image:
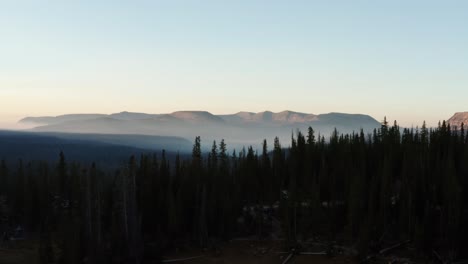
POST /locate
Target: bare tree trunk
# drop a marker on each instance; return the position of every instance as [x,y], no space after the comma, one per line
[202,219]
[124,205]
[98,217]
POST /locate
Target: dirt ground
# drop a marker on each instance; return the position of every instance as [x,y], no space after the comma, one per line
[252,252]
[234,252]
[19,252]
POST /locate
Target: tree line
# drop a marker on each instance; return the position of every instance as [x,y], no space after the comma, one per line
[389,185]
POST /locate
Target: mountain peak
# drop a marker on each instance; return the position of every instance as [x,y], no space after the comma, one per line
[197,116]
[283,117]
[125,115]
[458,118]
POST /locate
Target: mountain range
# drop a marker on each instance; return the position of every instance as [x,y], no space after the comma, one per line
[240,129]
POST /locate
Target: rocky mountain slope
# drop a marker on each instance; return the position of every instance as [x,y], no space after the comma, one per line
[458,118]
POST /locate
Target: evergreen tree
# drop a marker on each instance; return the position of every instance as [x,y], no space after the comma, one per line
[3,178]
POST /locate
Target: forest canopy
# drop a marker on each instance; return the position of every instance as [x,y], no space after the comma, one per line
[371,189]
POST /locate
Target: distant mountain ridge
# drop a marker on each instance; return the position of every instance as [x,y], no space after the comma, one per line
[46,120]
[284,117]
[239,129]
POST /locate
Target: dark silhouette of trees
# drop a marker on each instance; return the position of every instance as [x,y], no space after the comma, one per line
[391,185]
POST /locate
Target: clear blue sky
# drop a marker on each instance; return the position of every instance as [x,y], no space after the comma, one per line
[407,60]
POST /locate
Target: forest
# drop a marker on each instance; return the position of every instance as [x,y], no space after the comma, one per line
[362,191]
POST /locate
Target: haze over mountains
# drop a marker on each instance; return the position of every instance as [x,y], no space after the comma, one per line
[240,129]
[127,133]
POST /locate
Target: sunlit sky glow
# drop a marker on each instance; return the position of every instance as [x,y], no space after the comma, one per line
[407,60]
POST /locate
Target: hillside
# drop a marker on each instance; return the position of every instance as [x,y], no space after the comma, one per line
[106,150]
[458,118]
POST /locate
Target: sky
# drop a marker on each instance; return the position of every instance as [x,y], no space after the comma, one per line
[406,60]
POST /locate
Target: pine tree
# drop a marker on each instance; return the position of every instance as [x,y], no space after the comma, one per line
[3,178]
[311,136]
[62,175]
[19,194]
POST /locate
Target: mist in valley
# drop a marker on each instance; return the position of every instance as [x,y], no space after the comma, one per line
[239,130]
